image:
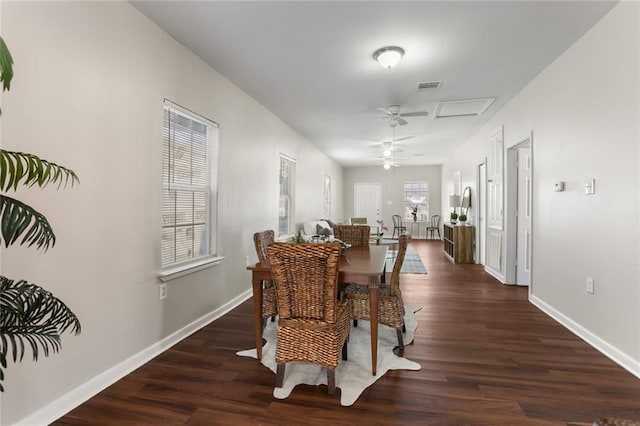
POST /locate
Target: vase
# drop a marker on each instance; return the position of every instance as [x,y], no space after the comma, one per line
[415,219]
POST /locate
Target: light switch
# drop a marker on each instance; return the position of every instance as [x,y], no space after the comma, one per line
[559,186]
[590,187]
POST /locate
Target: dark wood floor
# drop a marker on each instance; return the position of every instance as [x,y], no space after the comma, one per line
[488,357]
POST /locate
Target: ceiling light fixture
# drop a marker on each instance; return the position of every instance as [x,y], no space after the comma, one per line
[386,153]
[387,166]
[388,56]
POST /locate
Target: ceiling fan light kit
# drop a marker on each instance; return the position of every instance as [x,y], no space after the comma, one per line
[388,56]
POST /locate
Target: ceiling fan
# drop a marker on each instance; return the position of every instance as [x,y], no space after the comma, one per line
[396,117]
[390,142]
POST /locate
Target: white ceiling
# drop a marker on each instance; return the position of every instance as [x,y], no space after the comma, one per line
[311,64]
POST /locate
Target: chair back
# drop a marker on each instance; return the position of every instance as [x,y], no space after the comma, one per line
[435,221]
[306,280]
[403,242]
[261,240]
[358,221]
[397,220]
[356,235]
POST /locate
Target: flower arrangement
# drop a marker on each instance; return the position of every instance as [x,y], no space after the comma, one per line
[414,213]
[381,227]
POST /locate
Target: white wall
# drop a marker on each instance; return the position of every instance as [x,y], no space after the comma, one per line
[583,111]
[393,181]
[90,78]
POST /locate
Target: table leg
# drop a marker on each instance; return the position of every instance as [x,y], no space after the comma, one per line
[257,315]
[373,310]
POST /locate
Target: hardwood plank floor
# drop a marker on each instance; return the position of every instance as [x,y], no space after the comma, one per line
[488,356]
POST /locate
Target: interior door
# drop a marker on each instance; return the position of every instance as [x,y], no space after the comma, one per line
[367,201]
[523,244]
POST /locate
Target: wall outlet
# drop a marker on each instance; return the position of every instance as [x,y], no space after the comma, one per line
[163,291]
[590,288]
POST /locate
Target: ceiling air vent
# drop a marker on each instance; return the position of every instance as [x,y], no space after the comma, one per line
[429,85]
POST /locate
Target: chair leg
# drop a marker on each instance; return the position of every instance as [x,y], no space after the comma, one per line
[280,375]
[400,341]
[331,380]
[355,323]
[439,236]
[404,328]
[344,350]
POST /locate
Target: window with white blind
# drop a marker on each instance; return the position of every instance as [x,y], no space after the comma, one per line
[416,199]
[287,201]
[189,187]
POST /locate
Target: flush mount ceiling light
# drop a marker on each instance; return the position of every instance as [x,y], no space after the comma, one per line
[387,166]
[386,152]
[388,56]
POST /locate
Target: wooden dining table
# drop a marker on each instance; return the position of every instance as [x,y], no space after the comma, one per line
[362,265]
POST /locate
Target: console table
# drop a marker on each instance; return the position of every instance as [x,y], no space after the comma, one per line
[413,228]
[458,242]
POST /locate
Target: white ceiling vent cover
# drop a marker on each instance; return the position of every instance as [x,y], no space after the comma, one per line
[462,108]
[429,85]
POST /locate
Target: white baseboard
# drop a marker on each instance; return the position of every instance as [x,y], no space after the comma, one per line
[610,351]
[495,274]
[82,393]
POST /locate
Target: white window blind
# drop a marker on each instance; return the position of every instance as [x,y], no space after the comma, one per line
[287,201]
[189,186]
[416,194]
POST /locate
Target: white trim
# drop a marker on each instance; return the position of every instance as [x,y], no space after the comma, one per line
[92,387]
[607,349]
[188,268]
[495,274]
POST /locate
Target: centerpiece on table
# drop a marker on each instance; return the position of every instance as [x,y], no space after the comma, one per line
[414,213]
[381,227]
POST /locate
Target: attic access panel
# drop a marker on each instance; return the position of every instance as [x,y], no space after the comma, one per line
[462,108]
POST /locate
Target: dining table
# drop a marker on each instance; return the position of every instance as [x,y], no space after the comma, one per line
[361,265]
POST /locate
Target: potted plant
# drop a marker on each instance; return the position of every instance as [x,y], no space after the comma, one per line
[29,314]
[463,219]
[414,213]
[453,217]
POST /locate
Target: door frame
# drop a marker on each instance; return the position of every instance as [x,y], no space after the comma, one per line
[511,205]
[481,243]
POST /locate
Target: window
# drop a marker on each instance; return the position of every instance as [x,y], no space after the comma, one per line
[287,188]
[416,198]
[189,187]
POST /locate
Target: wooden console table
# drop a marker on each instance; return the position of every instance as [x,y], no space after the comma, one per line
[458,242]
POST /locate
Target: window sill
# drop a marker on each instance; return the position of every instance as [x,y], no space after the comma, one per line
[182,270]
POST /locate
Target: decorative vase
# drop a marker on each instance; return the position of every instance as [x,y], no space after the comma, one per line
[415,219]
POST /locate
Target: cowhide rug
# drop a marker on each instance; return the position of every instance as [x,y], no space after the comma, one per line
[352,376]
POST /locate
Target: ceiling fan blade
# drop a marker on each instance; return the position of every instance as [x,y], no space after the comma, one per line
[401,121]
[415,114]
[404,138]
[386,111]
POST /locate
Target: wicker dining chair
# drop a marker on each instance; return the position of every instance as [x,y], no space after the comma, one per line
[356,235]
[269,305]
[313,325]
[390,304]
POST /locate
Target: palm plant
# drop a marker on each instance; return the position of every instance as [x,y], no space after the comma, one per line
[30,316]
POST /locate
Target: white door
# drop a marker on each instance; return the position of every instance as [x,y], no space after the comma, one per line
[523,245]
[367,202]
[482,212]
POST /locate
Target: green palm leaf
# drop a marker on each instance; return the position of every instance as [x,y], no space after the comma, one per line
[29,169]
[6,66]
[18,219]
[31,317]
